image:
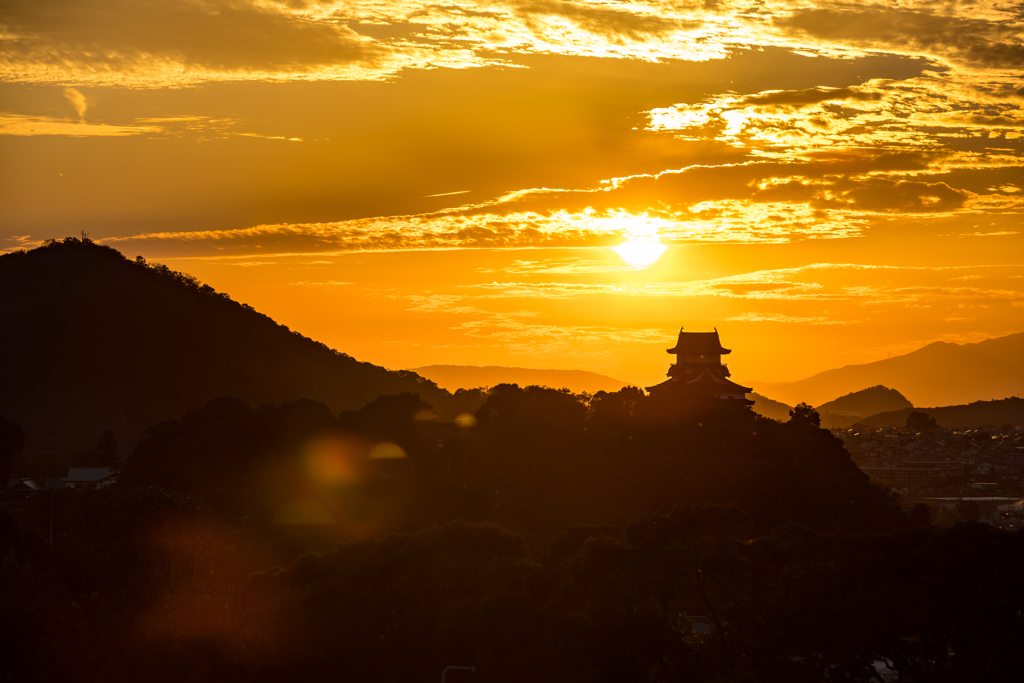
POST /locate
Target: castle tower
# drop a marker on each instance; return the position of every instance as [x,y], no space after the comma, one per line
[699,372]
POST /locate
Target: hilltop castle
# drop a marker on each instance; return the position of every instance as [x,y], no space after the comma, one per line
[698,372]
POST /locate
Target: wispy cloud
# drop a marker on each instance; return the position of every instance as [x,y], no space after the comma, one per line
[198,128]
[77,101]
[803,283]
[15,124]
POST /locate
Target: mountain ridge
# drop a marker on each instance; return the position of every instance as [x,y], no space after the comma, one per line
[975,415]
[939,373]
[95,340]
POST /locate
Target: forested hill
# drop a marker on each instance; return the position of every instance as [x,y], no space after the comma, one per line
[977,415]
[846,411]
[92,340]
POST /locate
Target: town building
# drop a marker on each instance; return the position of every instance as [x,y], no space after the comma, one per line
[918,475]
[90,477]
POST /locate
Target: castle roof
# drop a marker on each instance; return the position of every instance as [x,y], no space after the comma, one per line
[698,343]
[704,381]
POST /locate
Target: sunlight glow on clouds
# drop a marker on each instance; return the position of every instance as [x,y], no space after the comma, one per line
[840,190]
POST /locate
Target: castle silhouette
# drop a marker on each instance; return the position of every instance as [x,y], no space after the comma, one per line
[698,373]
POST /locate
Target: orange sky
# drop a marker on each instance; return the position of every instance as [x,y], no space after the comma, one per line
[418,183]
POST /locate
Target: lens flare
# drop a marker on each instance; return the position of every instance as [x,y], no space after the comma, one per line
[302,512]
[465,420]
[386,451]
[332,461]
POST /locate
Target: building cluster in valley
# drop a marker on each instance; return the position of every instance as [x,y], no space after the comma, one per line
[947,468]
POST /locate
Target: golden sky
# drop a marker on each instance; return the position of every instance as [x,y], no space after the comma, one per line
[417,183]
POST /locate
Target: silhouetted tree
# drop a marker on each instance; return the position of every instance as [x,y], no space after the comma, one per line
[920,422]
[104,455]
[804,414]
[106,446]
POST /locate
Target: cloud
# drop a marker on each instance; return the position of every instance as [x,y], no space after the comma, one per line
[999,233]
[559,266]
[173,42]
[436,231]
[820,282]
[199,128]
[77,101]
[752,317]
[808,96]
[985,41]
[16,124]
[162,43]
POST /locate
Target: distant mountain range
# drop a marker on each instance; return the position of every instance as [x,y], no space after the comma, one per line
[91,340]
[452,377]
[868,407]
[940,373]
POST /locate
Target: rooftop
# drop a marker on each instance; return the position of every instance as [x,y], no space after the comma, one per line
[698,343]
[86,474]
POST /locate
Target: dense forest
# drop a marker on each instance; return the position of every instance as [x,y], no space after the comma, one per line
[550,536]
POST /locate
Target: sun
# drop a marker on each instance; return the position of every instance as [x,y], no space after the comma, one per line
[641,252]
[642,248]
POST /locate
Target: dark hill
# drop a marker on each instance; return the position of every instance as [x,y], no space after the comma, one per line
[91,340]
[775,410]
[847,410]
[977,415]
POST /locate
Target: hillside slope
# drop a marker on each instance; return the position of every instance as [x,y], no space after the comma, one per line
[847,410]
[92,340]
[765,406]
[1008,411]
[452,377]
[940,373]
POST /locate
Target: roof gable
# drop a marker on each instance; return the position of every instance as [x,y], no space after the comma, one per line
[698,343]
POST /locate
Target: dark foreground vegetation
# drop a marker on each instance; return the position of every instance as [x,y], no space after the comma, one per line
[560,538]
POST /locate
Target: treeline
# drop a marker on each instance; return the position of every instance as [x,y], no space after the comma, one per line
[535,461]
[548,537]
[142,584]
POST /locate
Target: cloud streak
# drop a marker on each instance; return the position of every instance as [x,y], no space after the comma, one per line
[77,101]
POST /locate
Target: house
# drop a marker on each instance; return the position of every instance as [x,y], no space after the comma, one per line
[23,486]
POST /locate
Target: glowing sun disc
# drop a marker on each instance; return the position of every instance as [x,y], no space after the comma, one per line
[640,253]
